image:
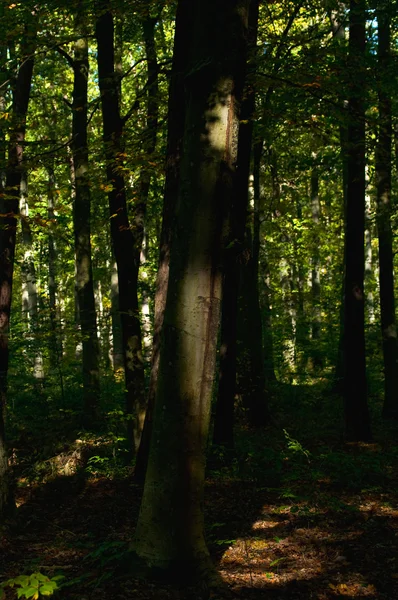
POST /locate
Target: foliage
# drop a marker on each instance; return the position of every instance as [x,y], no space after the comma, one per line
[33,586]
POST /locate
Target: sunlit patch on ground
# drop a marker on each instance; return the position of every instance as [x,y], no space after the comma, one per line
[323,549]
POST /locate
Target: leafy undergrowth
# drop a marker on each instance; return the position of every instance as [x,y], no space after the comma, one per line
[295,514]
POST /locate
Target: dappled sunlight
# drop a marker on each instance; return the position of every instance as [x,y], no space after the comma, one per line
[329,544]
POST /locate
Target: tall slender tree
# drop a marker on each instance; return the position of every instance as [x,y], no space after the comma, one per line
[233,258]
[9,209]
[169,534]
[82,220]
[316,264]
[123,241]
[355,386]
[383,188]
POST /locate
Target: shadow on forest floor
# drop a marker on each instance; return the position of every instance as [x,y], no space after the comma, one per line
[306,518]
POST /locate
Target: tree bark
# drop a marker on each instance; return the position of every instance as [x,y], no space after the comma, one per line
[384,208]
[121,232]
[9,209]
[169,535]
[81,223]
[224,414]
[252,374]
[355,386]
[149,147]
[176,120]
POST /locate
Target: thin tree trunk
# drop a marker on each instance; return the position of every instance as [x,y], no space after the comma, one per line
[169,535]
[52,285]
[28,277]
[123,241]
[149,147]
[252,374]
[355,387]
[316,358]
[117,339]
[224,414]
[384,208]
[9,206]
[338,30]
[176,120]
[81,223]
[369,276]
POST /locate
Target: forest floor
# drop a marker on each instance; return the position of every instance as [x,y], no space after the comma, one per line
[296,514]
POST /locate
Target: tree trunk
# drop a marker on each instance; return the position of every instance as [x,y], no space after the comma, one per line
[9,209]
[383,188]
[117,340]
[28,277]
[81,223]
[176,120]
[169,535]
[126,256]
[369,275]
[252,375]
[224,415]
[52,283]
[316,358]
[338,30]
[355,387]
[149,147]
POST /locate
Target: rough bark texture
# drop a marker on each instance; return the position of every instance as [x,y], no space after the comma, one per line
[81,223]
[169,533]
[9,209]
[383,187]
[355,387]
[176,120]
[224,414]
[121,232]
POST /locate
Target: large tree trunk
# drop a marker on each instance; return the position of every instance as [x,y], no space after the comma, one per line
[9,209]
[169,535]
[224,415]
[383,186]
[176,120]
[126,256]
[355,387]
[81,223]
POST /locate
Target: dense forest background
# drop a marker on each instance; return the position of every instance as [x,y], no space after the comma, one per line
[198,216]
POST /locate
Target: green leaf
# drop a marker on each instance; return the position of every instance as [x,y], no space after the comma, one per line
[47,589]
[41,577]
[28,592]
[22,580]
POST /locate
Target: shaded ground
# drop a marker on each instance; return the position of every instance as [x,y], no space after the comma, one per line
[287,519]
